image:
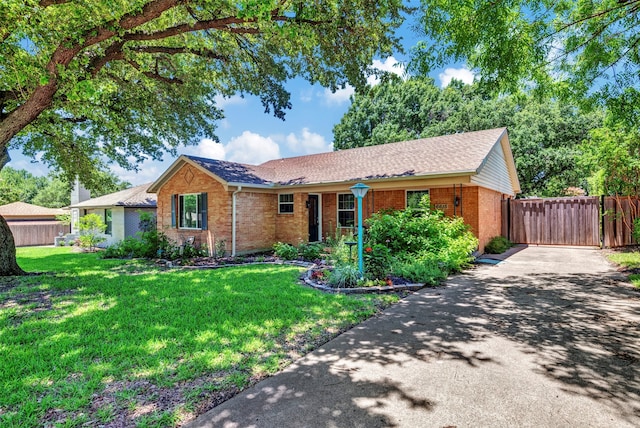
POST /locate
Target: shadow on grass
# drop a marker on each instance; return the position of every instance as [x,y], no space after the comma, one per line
[165,340]
[580,331]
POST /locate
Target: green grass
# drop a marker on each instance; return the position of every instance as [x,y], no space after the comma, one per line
[92,340]
[629,260]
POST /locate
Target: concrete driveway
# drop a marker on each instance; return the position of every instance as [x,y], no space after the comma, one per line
[547,338]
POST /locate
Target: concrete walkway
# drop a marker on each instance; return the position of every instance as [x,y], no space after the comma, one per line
[547,338]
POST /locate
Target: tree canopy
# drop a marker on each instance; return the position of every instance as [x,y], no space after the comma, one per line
[86,82]
[82,82]
[587,48]
[53,191]
[546,136]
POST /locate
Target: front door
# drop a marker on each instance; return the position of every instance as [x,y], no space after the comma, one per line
[314,219]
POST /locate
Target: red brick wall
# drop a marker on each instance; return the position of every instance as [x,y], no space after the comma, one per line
[490,214]
[329,214]
[255,221]
[259,225]
[293,228]
[190,180]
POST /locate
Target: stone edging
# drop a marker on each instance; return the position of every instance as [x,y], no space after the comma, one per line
[311,283]
[358,290]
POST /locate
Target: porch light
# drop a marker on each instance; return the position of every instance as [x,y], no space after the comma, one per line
[359,190]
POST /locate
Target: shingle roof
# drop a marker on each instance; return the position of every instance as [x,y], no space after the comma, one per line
[233,172]
[457,154]
[449,154]
[22,209]
[134,197]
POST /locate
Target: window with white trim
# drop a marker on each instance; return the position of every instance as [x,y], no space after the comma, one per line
[285,203]
[414,197]
[346,210]
[190,215]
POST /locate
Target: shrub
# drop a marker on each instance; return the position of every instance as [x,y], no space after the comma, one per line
[220,248]
[497,245]
[636,229]
[340,252]
[344,276]
[285,251]
[411,234]
[92,229]
[310,251]
[425,269]
[377,261]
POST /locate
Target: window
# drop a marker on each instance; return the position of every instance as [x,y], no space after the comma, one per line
[285,203]
[108,221]
[346,210]
[190,210]
[414,197]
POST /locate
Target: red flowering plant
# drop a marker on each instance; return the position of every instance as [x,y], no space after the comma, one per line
[377,261]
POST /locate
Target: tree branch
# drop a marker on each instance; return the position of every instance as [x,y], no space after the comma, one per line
[621,5]
[47,3]
[170,80]
[214,24]
[174,51]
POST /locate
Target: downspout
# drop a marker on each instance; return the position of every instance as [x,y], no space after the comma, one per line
[233,220]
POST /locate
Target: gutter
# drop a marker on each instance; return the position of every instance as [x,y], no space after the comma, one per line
[233,221]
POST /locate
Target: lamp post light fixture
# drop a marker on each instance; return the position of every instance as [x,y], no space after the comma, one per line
[359,190]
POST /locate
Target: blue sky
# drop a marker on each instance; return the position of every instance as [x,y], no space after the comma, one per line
[248,135]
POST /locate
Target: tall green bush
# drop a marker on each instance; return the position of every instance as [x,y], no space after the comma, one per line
[426,244]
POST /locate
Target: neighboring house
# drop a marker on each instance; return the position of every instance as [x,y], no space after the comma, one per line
[119,210]
[33,224]
[307,198]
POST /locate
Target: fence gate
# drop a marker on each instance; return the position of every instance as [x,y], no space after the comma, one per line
[552,221]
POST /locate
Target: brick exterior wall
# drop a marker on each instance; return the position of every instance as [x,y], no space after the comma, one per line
[259,225]
[490,213]
[329,214]
[191,180]
[255,221]
[293,228]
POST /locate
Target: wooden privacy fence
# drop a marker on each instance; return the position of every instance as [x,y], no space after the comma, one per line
[26,233]
[553,221]
[579,221]
[619,215]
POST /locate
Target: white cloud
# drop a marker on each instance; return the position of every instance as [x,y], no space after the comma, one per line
[222,101]
[306,95]
[251,148]
[207,148]
[390,65]
[307,143]
[341,96]
[338,97]
[148,171]
[463,74]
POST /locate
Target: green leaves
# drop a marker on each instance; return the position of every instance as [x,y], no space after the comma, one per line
[584,49]
[545,135]
[128,79]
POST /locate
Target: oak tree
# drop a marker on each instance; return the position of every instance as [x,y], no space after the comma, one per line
[84,81]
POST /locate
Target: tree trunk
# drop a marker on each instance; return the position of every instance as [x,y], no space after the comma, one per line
[8,264]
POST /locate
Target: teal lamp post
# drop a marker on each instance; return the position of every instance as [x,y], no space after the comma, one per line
[359,190]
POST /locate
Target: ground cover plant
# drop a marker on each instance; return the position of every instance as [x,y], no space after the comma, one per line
[629,259]
[123,342]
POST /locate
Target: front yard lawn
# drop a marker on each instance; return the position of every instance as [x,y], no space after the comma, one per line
[631,261]
[102,342]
